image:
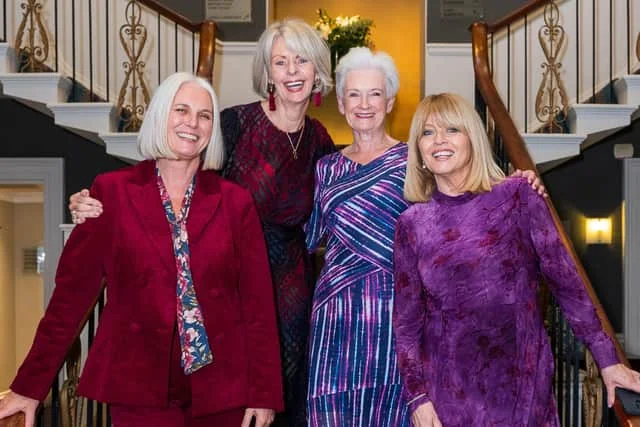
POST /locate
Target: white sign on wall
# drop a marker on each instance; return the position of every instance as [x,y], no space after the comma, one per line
[228,10]
[456,9]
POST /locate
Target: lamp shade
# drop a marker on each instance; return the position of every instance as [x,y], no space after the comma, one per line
[598,231]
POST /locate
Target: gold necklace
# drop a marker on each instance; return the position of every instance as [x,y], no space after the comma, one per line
[294,148]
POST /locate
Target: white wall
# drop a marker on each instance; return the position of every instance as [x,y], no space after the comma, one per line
[29,292]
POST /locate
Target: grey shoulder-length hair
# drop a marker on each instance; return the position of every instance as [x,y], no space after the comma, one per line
[302,39]
[152,138]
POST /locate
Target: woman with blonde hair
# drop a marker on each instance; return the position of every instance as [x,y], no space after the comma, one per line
[471,344]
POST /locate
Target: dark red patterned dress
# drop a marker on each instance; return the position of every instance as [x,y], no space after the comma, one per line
[260,158]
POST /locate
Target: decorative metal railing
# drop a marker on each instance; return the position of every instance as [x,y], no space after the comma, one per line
[76,38]
[560,53]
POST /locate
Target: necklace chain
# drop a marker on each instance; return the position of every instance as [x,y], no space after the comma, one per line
[294,148]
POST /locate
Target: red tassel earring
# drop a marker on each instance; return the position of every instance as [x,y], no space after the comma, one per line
[271,89]
[317,93]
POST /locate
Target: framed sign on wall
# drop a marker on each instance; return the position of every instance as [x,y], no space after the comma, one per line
[228,10]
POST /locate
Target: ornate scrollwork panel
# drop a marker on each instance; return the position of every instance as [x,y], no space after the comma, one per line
[32,48]
[70,403]
[551,99]
[133,37]
[592,393]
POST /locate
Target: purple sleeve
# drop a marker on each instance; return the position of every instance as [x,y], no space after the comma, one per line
[565,283]
[315,228]
[408,316]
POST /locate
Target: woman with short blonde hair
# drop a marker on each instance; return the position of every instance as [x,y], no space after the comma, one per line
[449,110]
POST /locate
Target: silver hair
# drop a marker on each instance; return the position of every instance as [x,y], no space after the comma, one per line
[152,138]
[362,58]
[299,37]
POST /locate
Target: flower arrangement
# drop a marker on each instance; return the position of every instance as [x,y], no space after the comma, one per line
[343,33]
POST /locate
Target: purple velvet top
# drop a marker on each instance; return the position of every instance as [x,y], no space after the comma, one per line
[469,332]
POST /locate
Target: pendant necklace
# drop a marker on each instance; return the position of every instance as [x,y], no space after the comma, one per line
[294,148]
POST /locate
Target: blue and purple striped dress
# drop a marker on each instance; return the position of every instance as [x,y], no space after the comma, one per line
[353,377]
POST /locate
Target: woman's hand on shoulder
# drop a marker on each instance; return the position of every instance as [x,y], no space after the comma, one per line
[619,375]
[82,207]
[13,403]
[534,181]
[264,417]
[425,416]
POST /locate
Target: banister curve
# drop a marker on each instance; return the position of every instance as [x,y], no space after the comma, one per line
[516,15]
[520,158]
[207,50]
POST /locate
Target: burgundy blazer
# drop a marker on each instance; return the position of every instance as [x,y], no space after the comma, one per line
[130,246]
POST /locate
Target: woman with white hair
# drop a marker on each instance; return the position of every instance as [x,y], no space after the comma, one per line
[188,335]
[354,377]
[271,149]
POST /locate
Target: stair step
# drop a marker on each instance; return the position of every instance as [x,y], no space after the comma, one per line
[41,87]
[7,58]
[545,147]
[584,119]
[98,117]
[122,145]
[627,89]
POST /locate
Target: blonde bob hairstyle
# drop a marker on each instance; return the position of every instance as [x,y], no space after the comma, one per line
[300,38]
[449,110]
[152,138]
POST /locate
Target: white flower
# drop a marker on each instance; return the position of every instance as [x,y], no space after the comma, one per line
[324,30]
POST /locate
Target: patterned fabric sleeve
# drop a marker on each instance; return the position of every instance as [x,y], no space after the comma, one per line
[315,228]
[408,315]
[564,281]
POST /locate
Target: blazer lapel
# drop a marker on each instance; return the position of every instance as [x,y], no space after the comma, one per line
[145,198]
[204,204]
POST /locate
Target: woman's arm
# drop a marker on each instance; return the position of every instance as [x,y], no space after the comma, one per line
[408,315]
[78,283]
[569,290]
[258,306]
[315,228]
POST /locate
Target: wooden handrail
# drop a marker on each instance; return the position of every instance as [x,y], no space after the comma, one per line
[516,15]
[207,29]
[207,50]
[15,420]
[521,159]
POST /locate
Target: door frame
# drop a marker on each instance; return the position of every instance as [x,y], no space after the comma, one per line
[631,255]
[48,172]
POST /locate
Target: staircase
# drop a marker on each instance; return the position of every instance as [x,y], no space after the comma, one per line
[144,43]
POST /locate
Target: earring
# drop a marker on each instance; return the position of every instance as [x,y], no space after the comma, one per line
[271,89]
[317,93]
[424,165]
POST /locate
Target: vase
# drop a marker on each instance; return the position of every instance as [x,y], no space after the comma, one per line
[337,52]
